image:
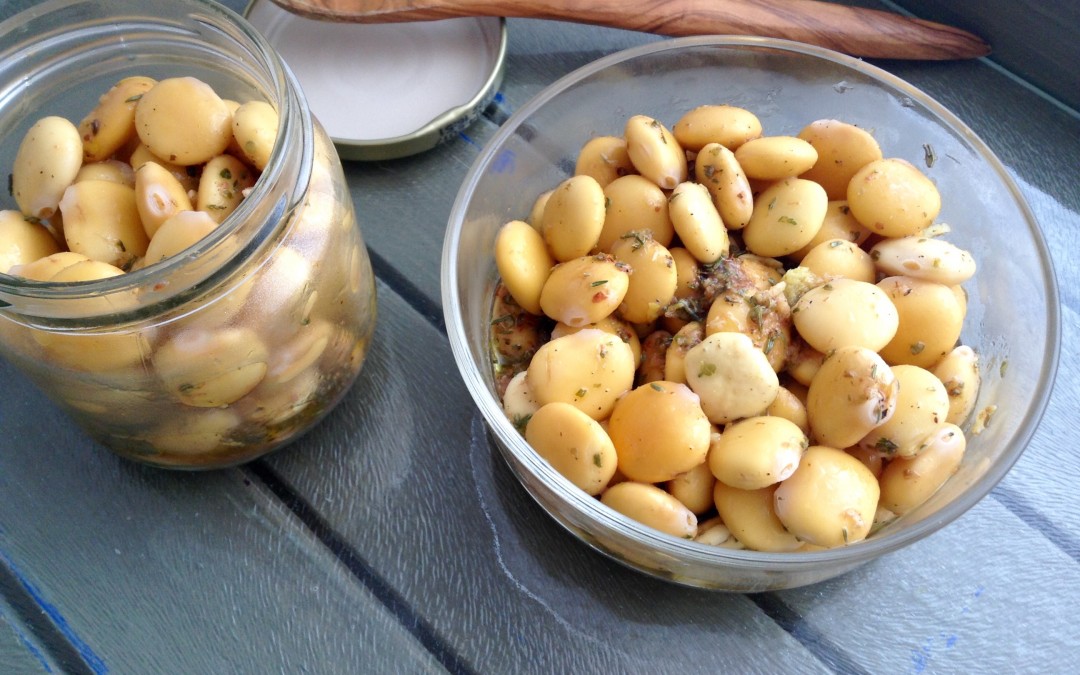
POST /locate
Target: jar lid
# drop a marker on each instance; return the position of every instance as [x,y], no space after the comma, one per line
[390,90]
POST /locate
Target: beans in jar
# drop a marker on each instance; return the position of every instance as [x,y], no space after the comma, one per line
[239,360]
[797,313]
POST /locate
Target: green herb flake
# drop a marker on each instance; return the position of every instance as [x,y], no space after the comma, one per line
[917,347]
[580,393]
[929,156]
[788,220]
[598,283]
[885,445]
[1004,366]
[133,98]
[706,370]
[597,460]
[656,387]
[521,421]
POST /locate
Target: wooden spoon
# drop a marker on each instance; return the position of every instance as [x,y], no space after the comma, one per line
[856,31]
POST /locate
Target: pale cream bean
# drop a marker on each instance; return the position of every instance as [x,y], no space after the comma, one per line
[188,176]
[519,404]
[842,150]
[830,500]
[893,198]
[255,127]
[651,506]
[177,234]
[584,290]
[101,221]
[659,431]
[45,268]
[654,151]
[751,517]
[611,324]
[536,213]
[840,258]
[523,262]
[757,452]
[111,124]
[775,157]
[605,159]
[931,317]
[573,218]
[681,343]
[46,163]
[194,432]
[653,364]
[89,351]
[109,169]
[713,532]
[959,373]
[698,223]
[921,405]
[733,377]
[589,369]
[694,488]
[790,407]
[211,368]
[22,241]
[846,312]
[653,278]
[838,224]
[786,217]
[183,120]
[224,183]
[853,392]
[927,258]
[728,125]
[634,204]
[158,196]
[716,168]
[574,444]
[906,483]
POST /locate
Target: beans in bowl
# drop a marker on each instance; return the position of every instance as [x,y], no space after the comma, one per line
[748,340]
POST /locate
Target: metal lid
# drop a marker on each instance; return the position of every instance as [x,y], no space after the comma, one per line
[384,91]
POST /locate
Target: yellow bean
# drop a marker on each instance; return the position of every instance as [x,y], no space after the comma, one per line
[771,158]
[605,159]
[46,163]
[255,126]
[634,204]
[757,452]
[223,185]
[158,196]
[698,223]
[574,444]
[659,431]
[523,262]
[654,151]
[842,150]
[853,392]
[830,500]
[584,290]
[573,218]
[786,217]
[651,506]
[22,242]
[111,124]
[728,125]
[589,369]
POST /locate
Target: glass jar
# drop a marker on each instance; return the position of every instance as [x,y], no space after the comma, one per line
[240,343]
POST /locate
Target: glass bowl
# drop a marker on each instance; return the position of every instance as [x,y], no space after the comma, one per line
[1012,319]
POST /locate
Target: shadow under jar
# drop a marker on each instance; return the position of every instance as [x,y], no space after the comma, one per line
[235,346]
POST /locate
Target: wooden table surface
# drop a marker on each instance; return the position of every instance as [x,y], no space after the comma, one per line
[394,539]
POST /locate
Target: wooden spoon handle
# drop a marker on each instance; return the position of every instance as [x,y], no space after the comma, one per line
[853,30]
